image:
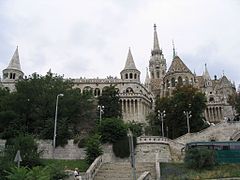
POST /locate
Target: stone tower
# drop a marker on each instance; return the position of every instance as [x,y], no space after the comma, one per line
[157,67]
[12,73]
[130,72]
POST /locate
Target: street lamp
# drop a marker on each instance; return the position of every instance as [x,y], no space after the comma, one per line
[132,153]
[101,111]
[188,116]
[161,115]
[55,124]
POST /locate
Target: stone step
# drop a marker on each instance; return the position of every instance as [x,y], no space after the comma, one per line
[123,171]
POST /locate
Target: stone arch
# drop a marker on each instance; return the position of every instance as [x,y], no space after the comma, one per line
[180,81]
[129,90]
[186,80]
[87,89]
[97,92]
[173,82]
[131,76]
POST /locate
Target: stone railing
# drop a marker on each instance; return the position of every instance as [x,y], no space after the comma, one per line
[145,176]
[92,170]
[152,139]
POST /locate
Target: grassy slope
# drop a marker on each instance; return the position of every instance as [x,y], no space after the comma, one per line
[68,164]
[178,171]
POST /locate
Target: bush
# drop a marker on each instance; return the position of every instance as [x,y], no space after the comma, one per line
[200,158]
[28,150]
[112,129]
[136,128]
[93,148]
[121,147]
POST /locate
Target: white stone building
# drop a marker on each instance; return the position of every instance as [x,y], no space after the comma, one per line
[137,99]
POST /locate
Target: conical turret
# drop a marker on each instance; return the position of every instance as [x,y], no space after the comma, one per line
[147,79]
[13,72]
[130,62]
[15,62]
[206,75]
[130,71]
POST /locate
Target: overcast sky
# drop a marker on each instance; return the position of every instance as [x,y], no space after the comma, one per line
[91,38]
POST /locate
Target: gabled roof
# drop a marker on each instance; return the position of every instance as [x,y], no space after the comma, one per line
[178,65]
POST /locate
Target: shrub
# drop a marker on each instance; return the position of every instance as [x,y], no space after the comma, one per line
[200,158]
[93,148]
[121,147]
[112,129]
[28,149]
[82,143]
[18,173]
[136,128]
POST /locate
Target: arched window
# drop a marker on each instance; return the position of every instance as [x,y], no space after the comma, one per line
[135,76]
[87,89]
[186,80]
[129,90]
[180,81]
[158,74]
[173,82]
[97,92]
[131,76]
[126,76]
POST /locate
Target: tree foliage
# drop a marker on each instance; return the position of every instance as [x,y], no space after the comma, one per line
[110,100]
[93,148]
[112,130]
[186,98]
[31,109]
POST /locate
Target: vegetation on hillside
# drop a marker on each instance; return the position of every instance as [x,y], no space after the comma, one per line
[186,98]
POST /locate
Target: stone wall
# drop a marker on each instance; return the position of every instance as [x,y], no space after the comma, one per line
[224,131]
[69,151]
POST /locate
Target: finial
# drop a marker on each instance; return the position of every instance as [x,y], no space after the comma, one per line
[155,27]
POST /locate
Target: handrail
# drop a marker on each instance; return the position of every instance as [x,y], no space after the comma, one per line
[145,176]
[92,170]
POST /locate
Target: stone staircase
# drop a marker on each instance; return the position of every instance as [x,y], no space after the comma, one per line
[123,170]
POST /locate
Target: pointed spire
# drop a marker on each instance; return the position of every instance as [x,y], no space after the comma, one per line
[206,74]
[156,48]
[130,62]
[155,41]
[147,79]
[174,52]
[15,62]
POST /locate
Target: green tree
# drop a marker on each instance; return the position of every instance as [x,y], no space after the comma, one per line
[31,108]
[112,129]
[93,148]
[110,100]
[186,98]
[28,150]
[18,173]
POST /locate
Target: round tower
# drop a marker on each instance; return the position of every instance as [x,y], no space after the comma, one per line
[130,72]
[13,72]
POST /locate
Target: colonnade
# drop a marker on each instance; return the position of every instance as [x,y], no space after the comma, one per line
[214,113]
[134,109]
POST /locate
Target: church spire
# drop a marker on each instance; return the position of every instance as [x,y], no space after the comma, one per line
[130,62]
[206,74]
[147,79]
[15,62]
[174,51]
[156,48]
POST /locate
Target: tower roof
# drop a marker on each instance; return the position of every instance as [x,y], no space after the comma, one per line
[15,62]
[178,65]
[130,62]
[156,47]
[206,74]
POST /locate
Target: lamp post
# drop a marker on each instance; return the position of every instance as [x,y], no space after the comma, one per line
[55,124]
[161,115]
[101,111]
[132,154]
[188,116]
